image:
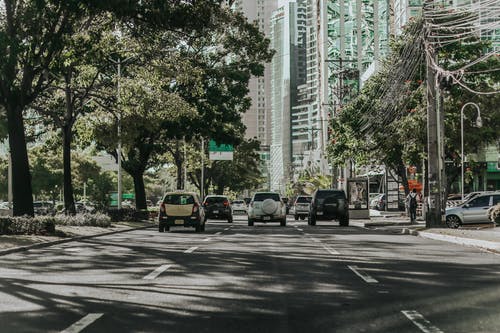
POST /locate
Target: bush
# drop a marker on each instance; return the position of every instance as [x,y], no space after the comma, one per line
[494,213]
[25,225]
[84,219]
[124,214]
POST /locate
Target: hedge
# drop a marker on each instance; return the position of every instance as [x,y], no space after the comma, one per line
[43,225]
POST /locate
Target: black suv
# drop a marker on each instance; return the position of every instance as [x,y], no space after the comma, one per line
[329,205]
[218,207]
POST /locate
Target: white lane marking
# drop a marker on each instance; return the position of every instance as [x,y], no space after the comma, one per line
[206,239]
[330,250]
[191,249]
[300,229]
[218,233]
[422,323]
[367,278]
[157,272]
[295,226]
[226,229]
[82,323]
[315,240]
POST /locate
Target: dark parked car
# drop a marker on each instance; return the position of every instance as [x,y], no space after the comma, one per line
[329,205]
[218,207]
[43,208]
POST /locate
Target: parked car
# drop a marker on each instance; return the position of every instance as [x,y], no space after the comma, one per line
[218,207]
[4,209]
[472,211]
[266,207]
[182,209]
[43,208]
[239,207]
[378,202]
[301,207]
[329,204]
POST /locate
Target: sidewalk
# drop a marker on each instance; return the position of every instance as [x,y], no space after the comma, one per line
[483,236]
[64,234]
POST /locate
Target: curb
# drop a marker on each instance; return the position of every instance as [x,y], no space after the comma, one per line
[477,243]
[65,240]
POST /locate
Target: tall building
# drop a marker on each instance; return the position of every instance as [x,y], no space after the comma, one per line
[308,113]
[284,40]
[258,118]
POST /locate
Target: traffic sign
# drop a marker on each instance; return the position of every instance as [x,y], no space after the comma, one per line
[223,152]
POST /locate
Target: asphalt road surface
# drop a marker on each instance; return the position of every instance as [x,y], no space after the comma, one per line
[266,278]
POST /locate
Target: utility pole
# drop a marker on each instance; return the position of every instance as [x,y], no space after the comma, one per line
[434,215]
[119,149]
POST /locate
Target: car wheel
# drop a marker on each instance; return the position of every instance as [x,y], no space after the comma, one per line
[453,221]
[303,217]
[283,222]
[296,217]
[344,221]
[313,220]
[250,222]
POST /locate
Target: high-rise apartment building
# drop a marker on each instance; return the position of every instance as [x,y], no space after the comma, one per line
[258,118]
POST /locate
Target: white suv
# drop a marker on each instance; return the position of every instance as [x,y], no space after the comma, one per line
[266,207]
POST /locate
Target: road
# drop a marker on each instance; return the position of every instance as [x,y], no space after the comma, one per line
[266,278]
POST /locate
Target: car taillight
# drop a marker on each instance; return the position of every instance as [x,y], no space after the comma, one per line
[195,208]
[205,203]
[163,209]
[225,203]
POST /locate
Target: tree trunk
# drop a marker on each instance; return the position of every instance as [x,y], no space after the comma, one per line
[401,171]
[69,199]
[140,191]
[21,177]
[178,163]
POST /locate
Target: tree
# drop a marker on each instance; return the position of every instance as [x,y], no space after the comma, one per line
[386,123]
[242,173]
[33,35]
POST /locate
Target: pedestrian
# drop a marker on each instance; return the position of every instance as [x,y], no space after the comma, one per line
[411,202]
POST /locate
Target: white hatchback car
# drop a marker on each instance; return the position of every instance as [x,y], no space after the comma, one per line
[266,207]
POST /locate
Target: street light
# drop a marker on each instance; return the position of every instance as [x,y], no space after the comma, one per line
[479,123]
[119,63]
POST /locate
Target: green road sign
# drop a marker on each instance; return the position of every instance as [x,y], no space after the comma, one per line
[213,146]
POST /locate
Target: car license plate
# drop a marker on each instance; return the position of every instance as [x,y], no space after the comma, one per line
[319,213]
[179,221]
[267,218]
[216,212]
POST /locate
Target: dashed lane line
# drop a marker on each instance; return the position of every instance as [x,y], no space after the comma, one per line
[218,233]
[419,321]
[191,249]
[156,272]
[206,239]
[299,229]
[362,274]
[83,323]
[331,250]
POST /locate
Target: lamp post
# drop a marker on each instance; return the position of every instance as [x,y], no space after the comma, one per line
[118,64]
[479,123]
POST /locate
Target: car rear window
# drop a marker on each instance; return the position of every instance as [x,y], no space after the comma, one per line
[179,199]
[215,199]
[238,202]
[304,199]
[264,196]
[328,194]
